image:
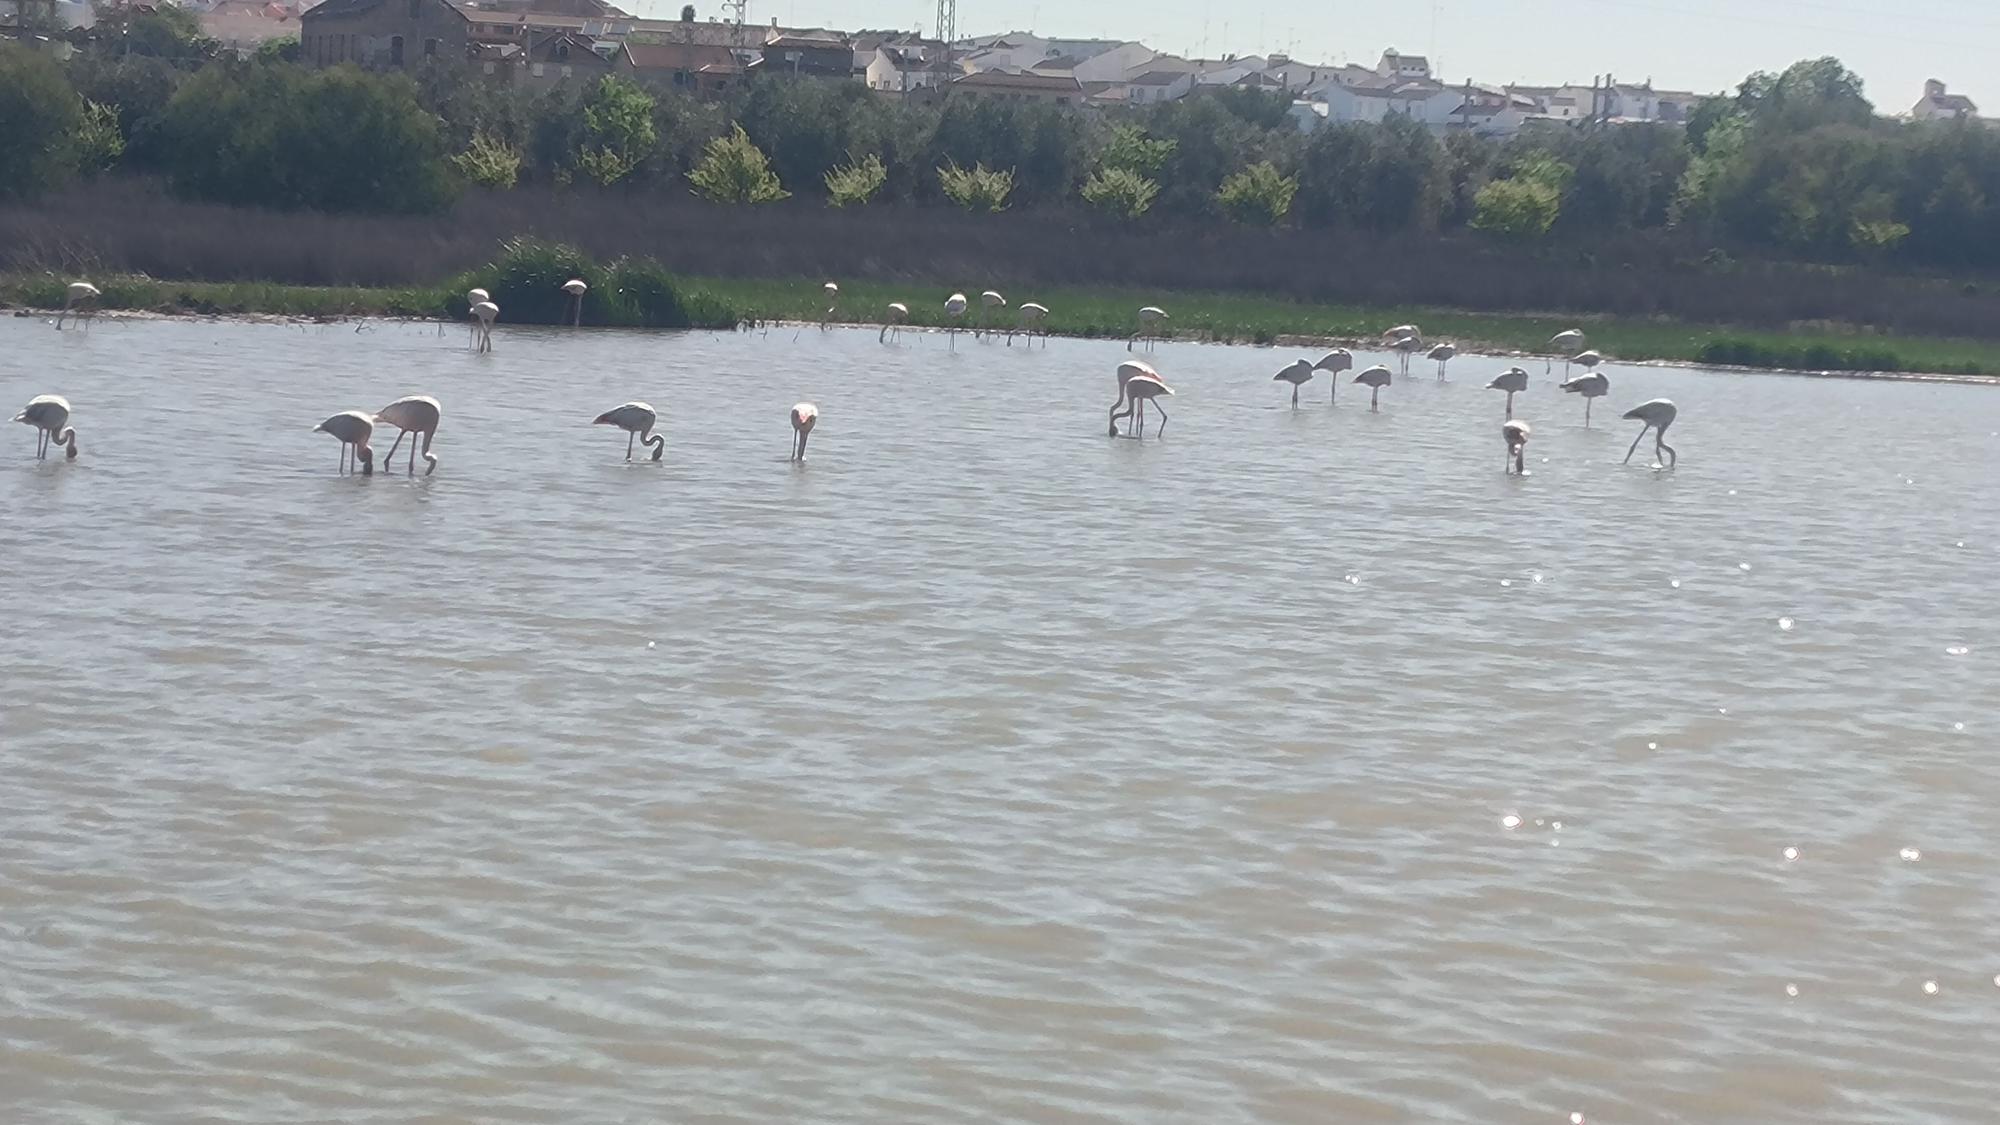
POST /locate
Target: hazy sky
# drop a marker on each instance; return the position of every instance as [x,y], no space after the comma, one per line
[1703,45]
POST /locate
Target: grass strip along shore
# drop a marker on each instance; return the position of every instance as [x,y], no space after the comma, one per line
[526,282]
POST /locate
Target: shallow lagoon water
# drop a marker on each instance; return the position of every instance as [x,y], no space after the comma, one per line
[983,767]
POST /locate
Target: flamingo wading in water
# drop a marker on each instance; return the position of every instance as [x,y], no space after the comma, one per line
[1034,320]
[354,428]
[1513,381]
[636,419]
[1592,386]
[576,289]
[49,414]
[1657,416]
[1443,354]
[1375,378]
[78,293]
[1516,433]
[1333,363]
[1405,348]
[988,302]
[804,417]
[1298,373]
[1138,384]
[832,292]
[1150,320]
[485,312]
[417,414]
[1566,344]
[893,319]
[472,299]
[954,310]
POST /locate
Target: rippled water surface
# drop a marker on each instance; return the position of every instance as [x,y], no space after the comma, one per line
[986,768]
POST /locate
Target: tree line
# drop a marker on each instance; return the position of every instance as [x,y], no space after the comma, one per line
[1795,163]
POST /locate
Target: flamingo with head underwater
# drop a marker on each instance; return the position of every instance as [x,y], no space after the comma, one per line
[1034,321]
[893,319]
[1139,384]
[49,414]
[576,289]
[353,428]
[75,294]
[1516,433]
[1151,318]
[954,311]
[804,417]
[1657,415]
[415,415]
[637,420]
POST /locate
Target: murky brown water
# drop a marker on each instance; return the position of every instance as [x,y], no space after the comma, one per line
[985,768]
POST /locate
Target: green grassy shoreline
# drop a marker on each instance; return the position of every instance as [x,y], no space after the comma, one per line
[1108,312]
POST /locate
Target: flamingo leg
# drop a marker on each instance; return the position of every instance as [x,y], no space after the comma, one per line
[1635,445]
[1295,396]
[630,437]
[1586,413]
[1510,406]
[389,462]
[1660,443]
[1375,400]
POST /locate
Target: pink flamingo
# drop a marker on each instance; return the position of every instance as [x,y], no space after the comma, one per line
[49,414]
[417,414]
[1138,383]
[354,429]
[804,417]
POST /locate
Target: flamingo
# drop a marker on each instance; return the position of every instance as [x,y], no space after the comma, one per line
[576,289]
[1375,377]
[472,298]
[1405,347]
[636,419]
[954,308]
[1566,344]
[1137,384]
[1516,434]
[353,428]
[1401,332]
[988,301]
[1591,386]
[1333,363]
[897,315]
[1657,416]
[78,293]
[1442,353]
[417,414]
[1149,326]
[832,292]
[1586,360]
[1513,381]
[485,312]
[1034,319]
[49,414]
[804,417]
[1298,373]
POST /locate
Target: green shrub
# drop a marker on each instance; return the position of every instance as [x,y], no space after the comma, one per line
[980,189]
[526,282]
[733,170]
[1120,192]
[489,162]
[856,181]
[1258,195]
[1522,210]
[618,131]
[98,144]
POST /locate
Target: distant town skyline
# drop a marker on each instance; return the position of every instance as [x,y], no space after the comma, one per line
[1703,45]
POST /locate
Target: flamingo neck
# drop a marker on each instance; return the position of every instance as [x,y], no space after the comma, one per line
[659,444]
[68,437]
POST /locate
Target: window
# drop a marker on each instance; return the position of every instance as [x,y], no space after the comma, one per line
[396,50]
[569,72]
[562,51]
[536,70]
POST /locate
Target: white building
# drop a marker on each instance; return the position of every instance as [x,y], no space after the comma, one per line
[1398,66]
[1938,104]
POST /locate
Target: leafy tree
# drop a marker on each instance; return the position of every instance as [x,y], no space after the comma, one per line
[736,171]
[857,181]
[1807,95]
[1120,191]
[138,89]
[489,162]
[281,136]
[1265,109]
[41,115]
[1259,194]
[1389,177]
[617,130]
[1128,148]
[977,189]
[1519,209]
[163,31]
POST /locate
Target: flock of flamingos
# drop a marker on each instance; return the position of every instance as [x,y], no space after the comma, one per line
[417,416]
